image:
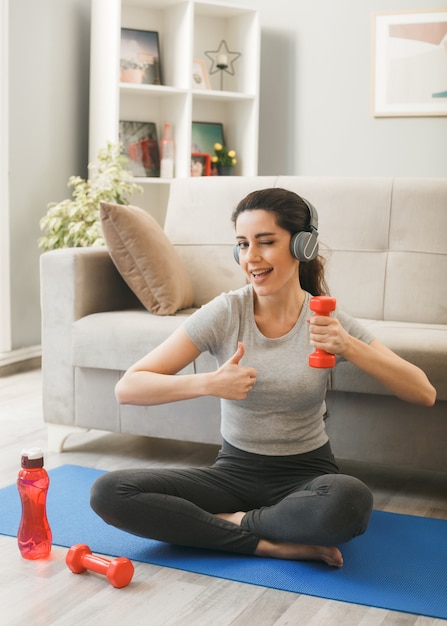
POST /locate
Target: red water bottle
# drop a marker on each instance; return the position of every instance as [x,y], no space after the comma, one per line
[34,534]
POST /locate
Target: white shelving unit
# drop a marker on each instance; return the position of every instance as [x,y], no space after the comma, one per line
[186,30]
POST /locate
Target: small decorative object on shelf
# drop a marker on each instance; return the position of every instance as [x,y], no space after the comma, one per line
[200,164]
[204,135]
[200,78]
[224,160]
[140,57]
[222,60]
[167,153]
[140,145]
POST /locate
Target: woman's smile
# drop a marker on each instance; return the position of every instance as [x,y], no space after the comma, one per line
[260,276]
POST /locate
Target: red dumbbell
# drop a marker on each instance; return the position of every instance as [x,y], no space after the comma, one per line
[322,305]
[119,571]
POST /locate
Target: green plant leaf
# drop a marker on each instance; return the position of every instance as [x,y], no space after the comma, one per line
[74,222]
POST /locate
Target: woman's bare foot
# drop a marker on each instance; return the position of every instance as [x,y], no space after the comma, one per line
[290,551]
[298,552]
[235,518]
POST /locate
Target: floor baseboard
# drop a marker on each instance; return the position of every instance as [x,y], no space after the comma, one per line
[22,360]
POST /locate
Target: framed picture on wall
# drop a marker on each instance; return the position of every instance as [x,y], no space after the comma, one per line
[205,135]
[140,57]
[140,145]
[410,63]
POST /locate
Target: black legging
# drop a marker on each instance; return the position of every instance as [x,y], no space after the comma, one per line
[300,499]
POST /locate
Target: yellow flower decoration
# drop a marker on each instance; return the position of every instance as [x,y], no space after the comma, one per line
[223,156]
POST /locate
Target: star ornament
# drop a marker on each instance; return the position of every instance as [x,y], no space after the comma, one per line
[222,59]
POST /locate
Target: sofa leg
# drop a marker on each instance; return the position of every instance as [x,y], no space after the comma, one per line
[58,433]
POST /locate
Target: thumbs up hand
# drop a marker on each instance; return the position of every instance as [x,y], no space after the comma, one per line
[237,356]
[233,381]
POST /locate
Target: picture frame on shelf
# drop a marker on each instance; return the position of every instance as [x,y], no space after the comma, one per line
[200,164]
[200,77]
[204,135]
[140,61]
[410,62]
[139,142]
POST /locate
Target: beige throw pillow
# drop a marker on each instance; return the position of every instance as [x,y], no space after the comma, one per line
[146,259]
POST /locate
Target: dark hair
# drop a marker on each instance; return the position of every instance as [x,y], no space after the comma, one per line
[292,214]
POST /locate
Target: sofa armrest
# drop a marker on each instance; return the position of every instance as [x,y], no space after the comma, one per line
[74,282]
[83,281]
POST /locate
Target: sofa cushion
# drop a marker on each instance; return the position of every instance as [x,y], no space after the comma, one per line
[146,259]
[117,339]
[425,345]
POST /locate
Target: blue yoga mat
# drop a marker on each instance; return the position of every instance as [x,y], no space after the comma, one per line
[400,563]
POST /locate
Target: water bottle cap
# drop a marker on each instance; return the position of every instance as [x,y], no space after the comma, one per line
[32,458]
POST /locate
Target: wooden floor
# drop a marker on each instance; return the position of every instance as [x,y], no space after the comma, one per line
[45,593]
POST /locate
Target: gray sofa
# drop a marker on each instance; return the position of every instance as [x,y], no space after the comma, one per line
[386,246]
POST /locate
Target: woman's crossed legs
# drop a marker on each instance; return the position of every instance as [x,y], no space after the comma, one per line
[216,508]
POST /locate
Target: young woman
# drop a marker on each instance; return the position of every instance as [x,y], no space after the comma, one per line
[274,489]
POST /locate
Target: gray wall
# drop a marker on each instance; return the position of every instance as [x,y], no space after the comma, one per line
[315,114]
[49,59]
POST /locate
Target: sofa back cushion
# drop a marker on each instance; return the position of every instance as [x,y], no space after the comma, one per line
[417,262]
[384,239]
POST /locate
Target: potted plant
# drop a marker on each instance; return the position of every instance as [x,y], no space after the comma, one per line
[74,222]
[224,159]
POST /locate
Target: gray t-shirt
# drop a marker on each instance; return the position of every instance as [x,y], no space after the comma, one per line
[284,413]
